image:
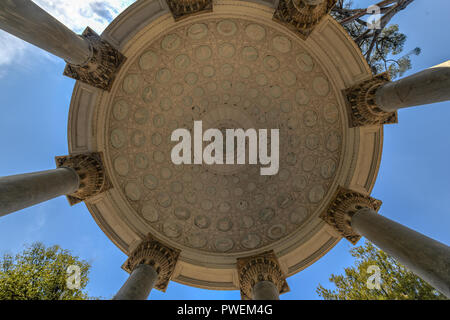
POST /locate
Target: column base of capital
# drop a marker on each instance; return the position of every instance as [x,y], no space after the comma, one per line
[100,71]
[300,16]
[362,107]
[90,170]
[184,8]
[156,254]
[263,267]
[344,205]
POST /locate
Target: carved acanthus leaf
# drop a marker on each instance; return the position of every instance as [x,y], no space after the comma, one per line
[302,16]
[263,267]
[160,256]
[362,105]
[343,206]
[91,173]
[101,69]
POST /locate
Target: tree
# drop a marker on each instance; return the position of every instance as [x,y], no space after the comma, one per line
[380,44]
[397,283]
[41,273]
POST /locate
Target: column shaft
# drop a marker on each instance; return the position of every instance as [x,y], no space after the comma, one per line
[139,284]
[26,20]
[25,190]
[265,290]
[427,258]
[428,86]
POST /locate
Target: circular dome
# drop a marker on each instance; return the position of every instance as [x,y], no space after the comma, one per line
[234,68]
[229,73]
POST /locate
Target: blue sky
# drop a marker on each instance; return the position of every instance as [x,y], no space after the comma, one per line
[413,182]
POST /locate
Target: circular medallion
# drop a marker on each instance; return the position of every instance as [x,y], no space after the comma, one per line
[255,32]
[227,28]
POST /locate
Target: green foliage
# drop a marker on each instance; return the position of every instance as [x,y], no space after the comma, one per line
[381,48]
[388,47]
[40,273]
[397,283]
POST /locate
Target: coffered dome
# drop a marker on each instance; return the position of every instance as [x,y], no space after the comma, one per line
[232,68]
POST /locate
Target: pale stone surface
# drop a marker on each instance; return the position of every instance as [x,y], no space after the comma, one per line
[224,72]
[265,290]
[330,49]
[28,21]
[427,258]
[426,87]
[139,284]
[25,190]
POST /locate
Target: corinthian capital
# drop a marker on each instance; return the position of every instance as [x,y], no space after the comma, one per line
[362,103]
[263,267]
[301,16]
[91,173]
[183,8]
[160,256]
[341,209]
[101,68]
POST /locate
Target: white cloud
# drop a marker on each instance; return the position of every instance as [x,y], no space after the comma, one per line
[76,15]
[79,14]
[12,48]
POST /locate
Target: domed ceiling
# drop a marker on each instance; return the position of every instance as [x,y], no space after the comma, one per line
[229,73]
[232,68]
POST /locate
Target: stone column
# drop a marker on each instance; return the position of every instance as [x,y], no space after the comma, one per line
[150,265]
[354,215]
[302,16]
[139,284]
[265,290]
[78,176]
[90,170]
[261,278]
[27,21]
[25,190]
[375,101]
[427,258]
[90,59]
[428,86]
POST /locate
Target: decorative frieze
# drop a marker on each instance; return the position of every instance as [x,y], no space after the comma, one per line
[160,256]
[263,267]
[183,8]
[341,209]
[362,105]
[302,16]
[103,65]
[91,173]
